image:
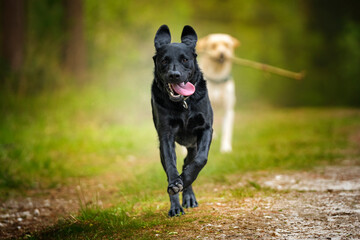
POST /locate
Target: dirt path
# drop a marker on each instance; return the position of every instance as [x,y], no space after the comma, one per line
[324,204]
[320,205]
[19,216]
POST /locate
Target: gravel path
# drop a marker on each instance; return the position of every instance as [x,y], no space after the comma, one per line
[324,204]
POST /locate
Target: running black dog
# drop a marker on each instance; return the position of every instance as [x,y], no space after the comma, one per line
[181,112]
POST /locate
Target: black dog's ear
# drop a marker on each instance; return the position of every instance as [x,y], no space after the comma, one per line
[189,36]
[162,37]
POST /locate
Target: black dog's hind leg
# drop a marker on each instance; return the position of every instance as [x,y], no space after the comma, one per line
[189,199]
[191,171]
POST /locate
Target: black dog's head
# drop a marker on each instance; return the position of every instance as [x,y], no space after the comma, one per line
[175,63]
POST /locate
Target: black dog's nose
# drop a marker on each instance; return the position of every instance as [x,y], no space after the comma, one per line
[174,75]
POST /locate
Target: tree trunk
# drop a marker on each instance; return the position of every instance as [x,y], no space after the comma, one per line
[13,32]
[75,51]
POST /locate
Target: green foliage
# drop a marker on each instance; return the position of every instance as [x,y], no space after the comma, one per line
[319,37]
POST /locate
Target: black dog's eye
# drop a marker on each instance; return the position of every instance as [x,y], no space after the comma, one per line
[184,60]
[165,61]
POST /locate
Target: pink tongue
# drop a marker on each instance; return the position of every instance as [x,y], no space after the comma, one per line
[184,89]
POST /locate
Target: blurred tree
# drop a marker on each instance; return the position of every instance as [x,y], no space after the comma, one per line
[13,33]
[335,61]
[75,50]
[114,38]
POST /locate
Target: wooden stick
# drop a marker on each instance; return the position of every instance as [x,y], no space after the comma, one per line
[268,68]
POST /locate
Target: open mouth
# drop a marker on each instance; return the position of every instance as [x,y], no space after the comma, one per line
[221,60]
[178,91]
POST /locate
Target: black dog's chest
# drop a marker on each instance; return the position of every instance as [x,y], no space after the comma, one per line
[188,123]
[187,128]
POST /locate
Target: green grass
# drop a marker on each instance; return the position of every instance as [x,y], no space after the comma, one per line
[48,139]
[92,223]
[123,222]
[113,223]
[99,131]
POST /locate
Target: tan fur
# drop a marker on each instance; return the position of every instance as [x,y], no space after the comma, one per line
[215,62]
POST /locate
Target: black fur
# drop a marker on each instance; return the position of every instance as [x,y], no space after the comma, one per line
[186,120]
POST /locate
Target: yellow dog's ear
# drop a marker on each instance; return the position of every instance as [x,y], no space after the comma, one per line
[201,44]
[235,42]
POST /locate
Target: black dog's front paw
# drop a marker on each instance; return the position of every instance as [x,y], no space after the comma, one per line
[176,211]
[175,187]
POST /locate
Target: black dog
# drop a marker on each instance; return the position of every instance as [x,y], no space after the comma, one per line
[181,112]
